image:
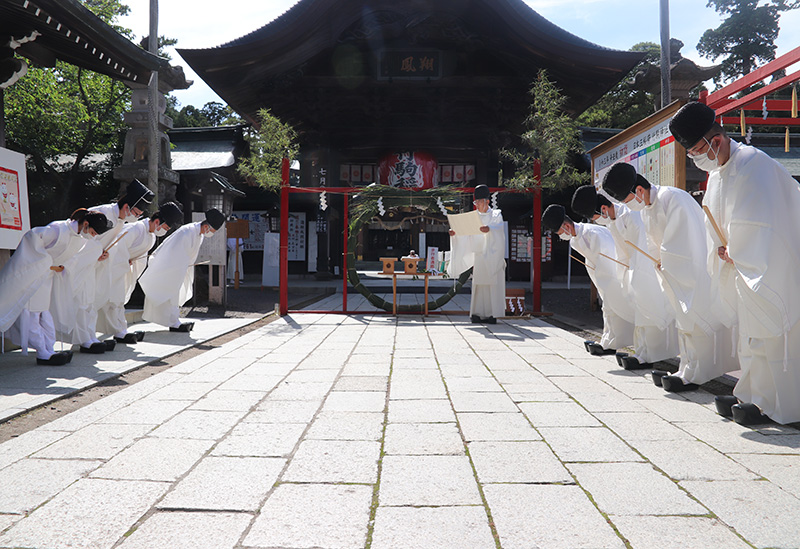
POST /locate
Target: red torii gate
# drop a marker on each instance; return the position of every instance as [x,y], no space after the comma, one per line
[286,189]
[722,102]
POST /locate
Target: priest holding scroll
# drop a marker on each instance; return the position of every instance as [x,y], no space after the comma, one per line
[485,253]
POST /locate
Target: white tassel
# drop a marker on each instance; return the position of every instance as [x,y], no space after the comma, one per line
[764,111]
[323,201]
[381,209]
[494,200]
[715,347]
[749,134]
[785,352]
[569,264]
[440,204]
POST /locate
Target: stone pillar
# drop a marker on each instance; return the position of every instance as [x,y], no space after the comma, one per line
[136,151]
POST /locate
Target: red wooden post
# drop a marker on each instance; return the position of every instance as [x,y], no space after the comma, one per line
[536,249]
[344,255]
[283,299]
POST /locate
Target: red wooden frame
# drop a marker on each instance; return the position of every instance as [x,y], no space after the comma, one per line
[286,190]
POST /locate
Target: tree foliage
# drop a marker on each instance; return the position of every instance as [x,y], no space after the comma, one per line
[623,106]
[746,37]
[211,114]
[553,134]
[60,116]
[269,145]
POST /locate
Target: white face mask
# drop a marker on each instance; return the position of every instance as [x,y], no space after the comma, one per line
[564,236]
[603,220]
[161,231]
[703,162]
[636,205]
[88,236]
[209,234]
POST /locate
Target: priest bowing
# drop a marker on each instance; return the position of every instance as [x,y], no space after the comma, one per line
[167,281]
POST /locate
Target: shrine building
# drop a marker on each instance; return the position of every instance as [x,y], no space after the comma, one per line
[441,85]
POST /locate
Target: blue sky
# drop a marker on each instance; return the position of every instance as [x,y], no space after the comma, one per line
[616,24]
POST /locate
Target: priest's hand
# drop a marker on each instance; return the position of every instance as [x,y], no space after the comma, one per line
[103,256]
[485,229]
[722,252]
[452,232]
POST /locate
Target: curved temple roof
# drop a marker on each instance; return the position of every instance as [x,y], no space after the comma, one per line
[46,30]
[491,51]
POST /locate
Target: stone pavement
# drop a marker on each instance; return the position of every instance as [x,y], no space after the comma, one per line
[389,433]
[24,385]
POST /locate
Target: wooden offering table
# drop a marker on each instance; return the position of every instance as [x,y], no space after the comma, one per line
[394,289]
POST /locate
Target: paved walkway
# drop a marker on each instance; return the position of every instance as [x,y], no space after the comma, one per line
[24,385]
[358,431]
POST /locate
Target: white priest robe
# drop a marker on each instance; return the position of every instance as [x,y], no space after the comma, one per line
[756,204]
[167,281]
[27,284]
[655,336]
[485,253]
[676,237]
[590,241]
[131,259]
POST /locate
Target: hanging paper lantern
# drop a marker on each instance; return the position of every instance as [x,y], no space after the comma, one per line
[409,170]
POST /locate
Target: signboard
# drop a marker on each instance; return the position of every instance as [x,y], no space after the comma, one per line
[259,225]
[649,147]
[15,219]
[410,64]
[213,250]
[297,236]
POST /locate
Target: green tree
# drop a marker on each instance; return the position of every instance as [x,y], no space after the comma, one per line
[746,37]
[212,114]
[623,106]
[552,133]
[269,145]
[61,116]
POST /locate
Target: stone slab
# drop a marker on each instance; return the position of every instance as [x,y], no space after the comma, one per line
[677,532]
[420,411]
[588,444]
[30,482]
[551,516]
[353,461]
[199,424]
[497,426]
[149,458]
[760,511]
[439,527]
[347,426]
[315,515]
[428,480]
[225,483]
[260,440]
[516,462]
[633,489]
[95,442]
[423,439]
[90,513]
[557,414]
[692,460]
[196,530]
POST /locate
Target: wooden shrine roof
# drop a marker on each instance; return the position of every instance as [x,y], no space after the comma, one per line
[322,67]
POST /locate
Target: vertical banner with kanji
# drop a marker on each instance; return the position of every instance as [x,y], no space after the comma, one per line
[297,236]
[14,216]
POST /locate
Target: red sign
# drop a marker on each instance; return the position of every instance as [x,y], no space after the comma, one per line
[409,170]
